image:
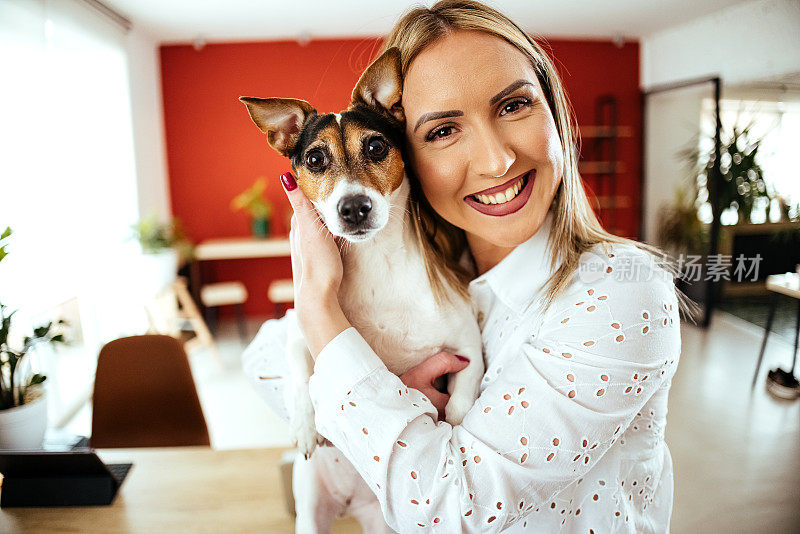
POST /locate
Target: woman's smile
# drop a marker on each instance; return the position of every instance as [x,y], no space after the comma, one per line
[503,199]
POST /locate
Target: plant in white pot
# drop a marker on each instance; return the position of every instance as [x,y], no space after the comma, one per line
[23,408]
[165,247]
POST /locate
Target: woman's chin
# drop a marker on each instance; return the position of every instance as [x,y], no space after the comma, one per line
[511,230]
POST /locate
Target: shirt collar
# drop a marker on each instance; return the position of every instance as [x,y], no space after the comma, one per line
[521,275]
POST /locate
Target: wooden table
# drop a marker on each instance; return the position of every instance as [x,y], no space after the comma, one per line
[177,490]
[232,248]
[781,284]
[229,248]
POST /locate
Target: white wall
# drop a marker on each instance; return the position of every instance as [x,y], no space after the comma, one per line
[144,68]
[753,40]
[672,119]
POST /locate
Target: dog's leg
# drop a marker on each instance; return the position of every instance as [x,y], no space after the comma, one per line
[365,507]
[314,504]
[371,518]
[465,385]
[301,366]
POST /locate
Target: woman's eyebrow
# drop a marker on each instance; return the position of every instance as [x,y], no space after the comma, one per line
[457,113]
[508,90]
[437,115]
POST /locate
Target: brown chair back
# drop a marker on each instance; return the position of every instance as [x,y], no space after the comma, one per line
[144,395]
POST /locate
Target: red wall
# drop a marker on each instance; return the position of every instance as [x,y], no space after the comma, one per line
[591,69]
[214,150]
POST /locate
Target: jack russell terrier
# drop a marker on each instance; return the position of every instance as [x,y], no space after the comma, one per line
[350,166]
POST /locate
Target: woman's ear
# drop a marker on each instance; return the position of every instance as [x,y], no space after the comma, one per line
[381,85]
[282,119]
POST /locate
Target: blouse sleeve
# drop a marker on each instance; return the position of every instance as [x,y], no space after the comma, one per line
[559,403]
[264,363]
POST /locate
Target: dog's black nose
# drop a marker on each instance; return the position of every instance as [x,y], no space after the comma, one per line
[355,209]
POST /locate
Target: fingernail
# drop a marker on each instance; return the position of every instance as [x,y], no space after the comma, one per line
[462,358]
[288,181]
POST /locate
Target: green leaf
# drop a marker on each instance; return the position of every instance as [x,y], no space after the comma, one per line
[3,236]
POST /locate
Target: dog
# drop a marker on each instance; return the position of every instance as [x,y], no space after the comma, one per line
[350,166]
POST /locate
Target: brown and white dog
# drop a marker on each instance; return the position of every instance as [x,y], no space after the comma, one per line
[350,166]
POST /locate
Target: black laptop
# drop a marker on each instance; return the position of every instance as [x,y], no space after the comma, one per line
[58,478]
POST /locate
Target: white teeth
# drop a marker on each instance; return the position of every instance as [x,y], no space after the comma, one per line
[503,197]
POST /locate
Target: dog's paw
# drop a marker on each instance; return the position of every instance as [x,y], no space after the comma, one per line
[305,436]
[457,407]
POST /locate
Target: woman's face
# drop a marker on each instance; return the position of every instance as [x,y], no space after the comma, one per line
[482,138]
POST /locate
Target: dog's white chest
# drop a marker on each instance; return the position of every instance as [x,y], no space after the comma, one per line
[386,295]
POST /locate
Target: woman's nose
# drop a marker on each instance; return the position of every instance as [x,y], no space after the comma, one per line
[491,155]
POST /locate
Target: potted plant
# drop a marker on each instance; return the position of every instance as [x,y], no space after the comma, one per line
[23,407]
[680,230]
[260,209]
[741,182]
[684,237]
[739,188]
[165,247]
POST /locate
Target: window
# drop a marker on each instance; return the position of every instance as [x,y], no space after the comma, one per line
[67,175]
[777,123]
[67,182]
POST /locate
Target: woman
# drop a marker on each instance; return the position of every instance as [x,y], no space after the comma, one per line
[580,327]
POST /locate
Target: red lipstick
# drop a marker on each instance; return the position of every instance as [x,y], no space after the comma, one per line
[506,208]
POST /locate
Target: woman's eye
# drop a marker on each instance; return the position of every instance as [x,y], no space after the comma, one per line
[316,160]
[377,148]
[439,133]
[513,106]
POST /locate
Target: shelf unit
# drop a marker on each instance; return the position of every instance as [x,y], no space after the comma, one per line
[601,167]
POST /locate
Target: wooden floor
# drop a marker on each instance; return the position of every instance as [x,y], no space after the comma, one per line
[736,452]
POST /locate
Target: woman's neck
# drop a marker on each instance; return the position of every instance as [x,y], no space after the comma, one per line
[486,254]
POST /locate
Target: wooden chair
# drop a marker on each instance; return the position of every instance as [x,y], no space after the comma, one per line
[144,396]
[281,293]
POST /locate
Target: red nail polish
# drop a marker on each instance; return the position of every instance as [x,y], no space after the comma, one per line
[462,358]
[288,181]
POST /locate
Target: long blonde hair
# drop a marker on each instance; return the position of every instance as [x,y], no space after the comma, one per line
[575,227]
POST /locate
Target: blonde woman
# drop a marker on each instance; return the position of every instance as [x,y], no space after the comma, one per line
[580,327]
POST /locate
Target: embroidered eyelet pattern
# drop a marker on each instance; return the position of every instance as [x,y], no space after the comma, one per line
[577,362]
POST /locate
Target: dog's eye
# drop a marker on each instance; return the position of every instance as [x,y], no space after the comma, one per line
[377,148]
[316,160]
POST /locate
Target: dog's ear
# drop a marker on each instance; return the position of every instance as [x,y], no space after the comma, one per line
[281,119]
[381,85]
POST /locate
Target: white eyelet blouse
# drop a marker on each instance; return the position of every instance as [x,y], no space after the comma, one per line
[568,432]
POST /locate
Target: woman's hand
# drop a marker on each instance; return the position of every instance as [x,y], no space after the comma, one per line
[422,376]
[310,238]
[316,270]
